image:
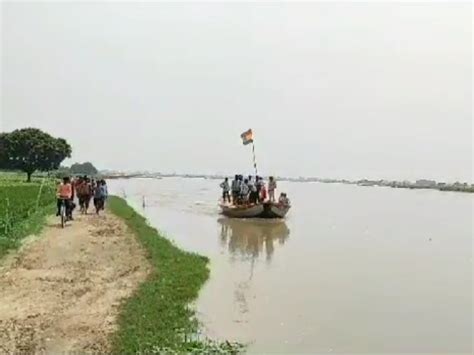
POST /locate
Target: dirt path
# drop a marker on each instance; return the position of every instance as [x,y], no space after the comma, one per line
[61,291]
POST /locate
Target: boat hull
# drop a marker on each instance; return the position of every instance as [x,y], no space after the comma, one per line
[274,211]
[265,210]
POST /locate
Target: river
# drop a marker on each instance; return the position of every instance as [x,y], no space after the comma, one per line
[351,270]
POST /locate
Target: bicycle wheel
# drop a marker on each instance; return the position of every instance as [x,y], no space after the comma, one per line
[63,216]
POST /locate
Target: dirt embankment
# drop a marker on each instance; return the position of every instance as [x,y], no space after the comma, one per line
[61,291]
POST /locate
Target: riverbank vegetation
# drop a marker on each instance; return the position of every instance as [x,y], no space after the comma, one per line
[23,208]
[158,318]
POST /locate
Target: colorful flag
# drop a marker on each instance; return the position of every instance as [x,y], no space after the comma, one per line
[247,137]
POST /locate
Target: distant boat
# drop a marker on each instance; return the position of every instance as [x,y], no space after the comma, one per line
[259,210]
[264,210]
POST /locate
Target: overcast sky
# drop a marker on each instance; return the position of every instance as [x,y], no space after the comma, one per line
[380,90]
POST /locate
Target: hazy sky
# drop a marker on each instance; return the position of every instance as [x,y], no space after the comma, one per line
[380,90]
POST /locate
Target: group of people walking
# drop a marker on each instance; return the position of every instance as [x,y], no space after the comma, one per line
[88,189]
[85,189]
[248,190]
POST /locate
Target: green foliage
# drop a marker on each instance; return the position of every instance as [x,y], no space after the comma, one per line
[62,172]
[31,149]
[83,169]
[158,318]
[22,209]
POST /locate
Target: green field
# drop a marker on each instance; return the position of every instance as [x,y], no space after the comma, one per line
[23,207]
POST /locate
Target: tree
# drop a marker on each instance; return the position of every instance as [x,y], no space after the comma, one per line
[84,169]
[62,172]
[31,149]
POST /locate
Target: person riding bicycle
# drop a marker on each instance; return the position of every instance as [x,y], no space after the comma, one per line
[65,193]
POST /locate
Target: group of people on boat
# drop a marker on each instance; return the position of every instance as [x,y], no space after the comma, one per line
[251,190]
[85,189]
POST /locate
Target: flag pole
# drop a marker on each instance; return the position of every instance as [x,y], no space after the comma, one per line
[247,138]
[254,158]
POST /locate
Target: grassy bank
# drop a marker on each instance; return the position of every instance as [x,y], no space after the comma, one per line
[23,208]
[158,318]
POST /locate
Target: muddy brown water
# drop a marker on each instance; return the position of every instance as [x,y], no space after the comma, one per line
[351,270]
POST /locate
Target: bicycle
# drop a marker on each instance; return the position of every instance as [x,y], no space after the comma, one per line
[63,213]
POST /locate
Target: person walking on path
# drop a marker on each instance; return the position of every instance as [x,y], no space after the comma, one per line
[99,197]
[82,190]
[106,191]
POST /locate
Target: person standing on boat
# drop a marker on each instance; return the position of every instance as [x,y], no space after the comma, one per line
[244,190]
[241,183]
[253,197]
[235,189]
[261,190]
[272,186]
[259,185]
[250,183]
[225,190]
[249,179]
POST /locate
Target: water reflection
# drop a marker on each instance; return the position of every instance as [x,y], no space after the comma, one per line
[248,239]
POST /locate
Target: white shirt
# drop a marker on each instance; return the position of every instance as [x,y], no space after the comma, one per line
[225,186]
[252,186]
[272,185]
[244,189]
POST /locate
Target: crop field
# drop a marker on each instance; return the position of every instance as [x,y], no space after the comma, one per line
[22,207]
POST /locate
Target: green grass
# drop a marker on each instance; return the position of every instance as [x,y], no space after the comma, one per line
[23,208]
[158,317]
[32,225]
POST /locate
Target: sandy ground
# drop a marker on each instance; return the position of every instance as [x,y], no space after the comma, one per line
[60,292]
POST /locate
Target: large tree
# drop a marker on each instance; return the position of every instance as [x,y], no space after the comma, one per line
[86,168]
[31,149]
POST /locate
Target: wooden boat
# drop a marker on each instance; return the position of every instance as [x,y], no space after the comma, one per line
[275,210]
[241,211]
[264,210]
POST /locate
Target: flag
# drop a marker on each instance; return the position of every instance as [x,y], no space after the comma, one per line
[247,137]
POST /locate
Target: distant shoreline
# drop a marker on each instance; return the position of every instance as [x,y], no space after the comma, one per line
[417,185]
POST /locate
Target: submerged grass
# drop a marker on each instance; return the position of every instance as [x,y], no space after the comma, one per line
[158,317]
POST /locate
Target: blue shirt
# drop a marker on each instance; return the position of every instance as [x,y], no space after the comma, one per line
[100,191]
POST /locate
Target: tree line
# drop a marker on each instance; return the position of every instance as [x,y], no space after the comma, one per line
[30,150]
